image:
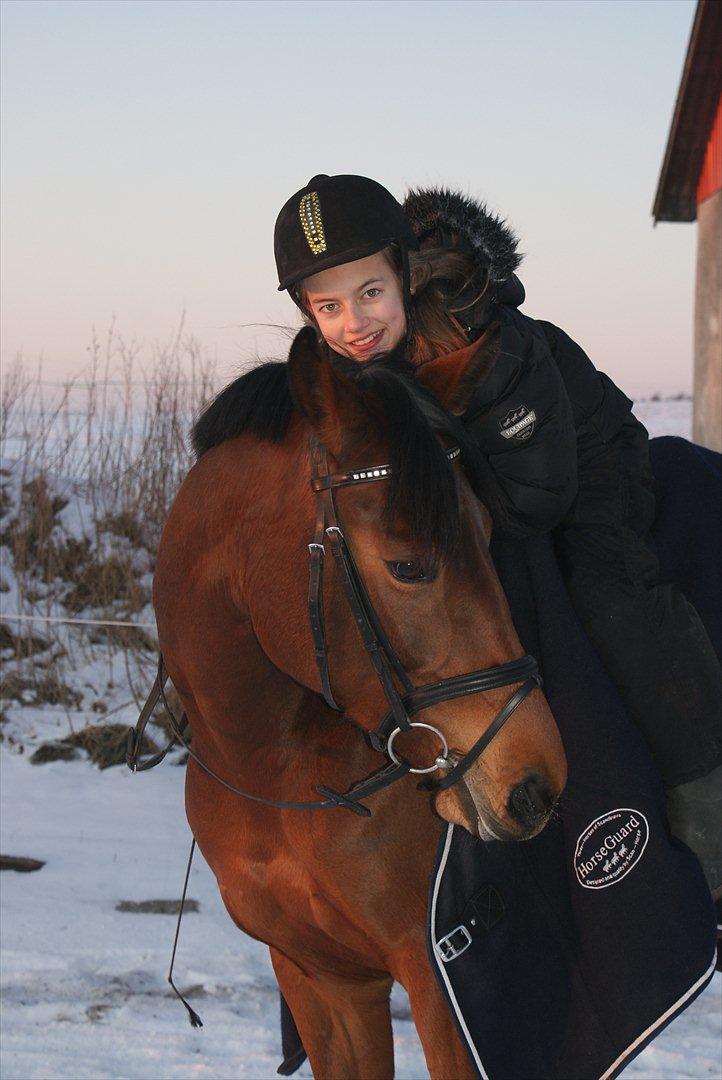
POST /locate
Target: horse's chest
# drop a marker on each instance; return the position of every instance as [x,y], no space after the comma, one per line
[332,887]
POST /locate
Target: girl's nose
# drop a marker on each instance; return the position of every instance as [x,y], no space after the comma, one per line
[356,320]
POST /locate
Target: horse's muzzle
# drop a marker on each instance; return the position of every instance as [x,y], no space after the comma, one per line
[531,802]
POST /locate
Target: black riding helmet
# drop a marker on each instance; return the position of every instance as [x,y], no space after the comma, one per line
[335,220]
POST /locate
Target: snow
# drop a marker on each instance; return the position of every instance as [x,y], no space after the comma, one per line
[84,985]
[670,417]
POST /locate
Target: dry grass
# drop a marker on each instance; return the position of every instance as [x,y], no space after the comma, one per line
[89,470]
[42,689]
[157,907]
[105,744]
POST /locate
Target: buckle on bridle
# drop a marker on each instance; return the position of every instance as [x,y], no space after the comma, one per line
[441,762]
[375,741]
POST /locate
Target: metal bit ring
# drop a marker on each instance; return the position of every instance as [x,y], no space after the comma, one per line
[441,761]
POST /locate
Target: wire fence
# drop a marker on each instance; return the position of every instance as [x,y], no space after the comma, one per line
[88,472]
[12,616]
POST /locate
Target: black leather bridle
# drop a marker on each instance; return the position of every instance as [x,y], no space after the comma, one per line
[403,704]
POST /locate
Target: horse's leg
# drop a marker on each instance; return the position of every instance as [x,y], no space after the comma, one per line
[344,1021]
[445,1053]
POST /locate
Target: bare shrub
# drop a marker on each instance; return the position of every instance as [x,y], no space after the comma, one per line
[20,645]
[89,470]
[46,689]
[28,534]
[105,744]
[54,751]
[124,525]
[103,582]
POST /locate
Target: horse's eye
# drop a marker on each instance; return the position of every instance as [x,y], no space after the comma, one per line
[412,571]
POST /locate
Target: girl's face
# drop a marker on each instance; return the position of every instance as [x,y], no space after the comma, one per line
[358,307]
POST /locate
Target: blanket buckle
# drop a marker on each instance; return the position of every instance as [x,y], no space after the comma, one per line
[453,944]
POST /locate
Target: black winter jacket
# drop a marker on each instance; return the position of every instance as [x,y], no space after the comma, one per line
[526,414]
[542,398]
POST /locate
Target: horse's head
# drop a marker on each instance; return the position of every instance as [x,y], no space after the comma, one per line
[419,541]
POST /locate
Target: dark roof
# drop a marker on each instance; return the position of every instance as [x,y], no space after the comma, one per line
[699,93]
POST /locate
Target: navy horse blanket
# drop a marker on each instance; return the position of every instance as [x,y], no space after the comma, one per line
[562,957]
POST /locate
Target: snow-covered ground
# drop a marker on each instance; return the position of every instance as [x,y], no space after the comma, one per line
[671,417]
[83,984]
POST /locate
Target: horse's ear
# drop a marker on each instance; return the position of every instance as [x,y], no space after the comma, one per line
[305,363]
[324,391]
[452,378]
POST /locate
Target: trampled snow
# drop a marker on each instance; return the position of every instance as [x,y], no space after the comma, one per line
[84,985]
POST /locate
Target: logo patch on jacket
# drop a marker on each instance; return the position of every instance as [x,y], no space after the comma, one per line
[610,847]
[518,424]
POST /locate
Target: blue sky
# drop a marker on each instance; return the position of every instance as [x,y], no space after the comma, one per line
[149,144]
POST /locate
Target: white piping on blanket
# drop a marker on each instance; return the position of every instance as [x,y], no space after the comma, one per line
[440,965]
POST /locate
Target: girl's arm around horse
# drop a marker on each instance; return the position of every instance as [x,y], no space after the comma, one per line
[539,407]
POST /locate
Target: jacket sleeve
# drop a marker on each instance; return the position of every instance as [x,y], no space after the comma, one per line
[522,422]
[616,484]
[599,406]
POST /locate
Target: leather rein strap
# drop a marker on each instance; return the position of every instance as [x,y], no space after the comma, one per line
[403,703]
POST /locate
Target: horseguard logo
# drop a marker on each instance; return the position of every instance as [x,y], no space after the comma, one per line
[610,847]
[518,424]
[309,210]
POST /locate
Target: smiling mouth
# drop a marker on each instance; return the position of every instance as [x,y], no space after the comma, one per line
[366,342]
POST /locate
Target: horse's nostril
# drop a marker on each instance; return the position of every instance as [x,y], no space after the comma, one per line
[531,800]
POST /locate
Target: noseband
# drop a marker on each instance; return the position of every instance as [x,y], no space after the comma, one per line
[403,703]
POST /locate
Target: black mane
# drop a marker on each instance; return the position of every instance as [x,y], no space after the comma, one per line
[422,489]
[259,402]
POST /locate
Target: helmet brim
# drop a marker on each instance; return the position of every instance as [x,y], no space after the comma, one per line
[338,259]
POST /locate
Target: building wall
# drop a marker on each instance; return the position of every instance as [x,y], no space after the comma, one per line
[707,422]
[710,177]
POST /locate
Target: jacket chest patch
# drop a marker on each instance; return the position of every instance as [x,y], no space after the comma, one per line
[518,424]
[610,847]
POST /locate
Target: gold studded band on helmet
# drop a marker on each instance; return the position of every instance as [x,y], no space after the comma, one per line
[309,210]
[334,220]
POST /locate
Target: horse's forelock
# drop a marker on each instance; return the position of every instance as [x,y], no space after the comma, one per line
[422,490]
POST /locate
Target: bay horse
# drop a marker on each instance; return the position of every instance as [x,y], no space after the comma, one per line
[340,899]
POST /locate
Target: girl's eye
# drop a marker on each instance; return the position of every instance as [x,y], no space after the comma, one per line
[373,292]
[329,308]
[411,571]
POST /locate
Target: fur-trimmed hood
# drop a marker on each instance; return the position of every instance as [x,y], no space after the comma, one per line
[438,212]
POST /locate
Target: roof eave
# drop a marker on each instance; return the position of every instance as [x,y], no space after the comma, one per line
[694,112]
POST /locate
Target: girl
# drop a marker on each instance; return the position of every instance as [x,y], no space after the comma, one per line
[566,454]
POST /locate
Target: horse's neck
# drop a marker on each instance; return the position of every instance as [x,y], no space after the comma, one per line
[232,603]
[274,524]
[259,727]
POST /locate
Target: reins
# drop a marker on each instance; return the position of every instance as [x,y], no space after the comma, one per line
[402,704]
[368,787]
